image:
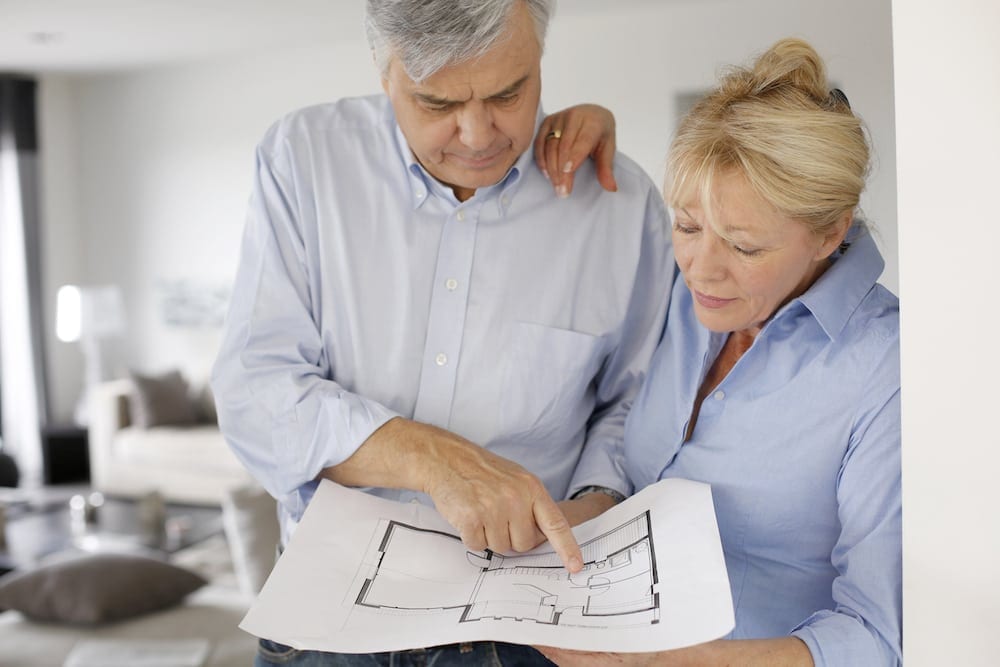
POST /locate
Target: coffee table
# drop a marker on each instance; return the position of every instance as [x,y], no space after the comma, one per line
[36,530]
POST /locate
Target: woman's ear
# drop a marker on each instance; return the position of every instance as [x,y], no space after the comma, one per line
[835,236]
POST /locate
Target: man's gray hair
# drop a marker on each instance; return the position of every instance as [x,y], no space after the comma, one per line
[429,35]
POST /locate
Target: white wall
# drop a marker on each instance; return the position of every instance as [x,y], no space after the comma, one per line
[948,134]
[160,161]
[147,178]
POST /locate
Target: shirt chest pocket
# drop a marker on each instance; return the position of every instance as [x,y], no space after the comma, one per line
[548,390]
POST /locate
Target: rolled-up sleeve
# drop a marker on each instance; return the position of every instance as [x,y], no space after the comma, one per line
[864,627]
[280,412]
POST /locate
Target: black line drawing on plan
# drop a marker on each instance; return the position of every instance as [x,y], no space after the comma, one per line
[410,570]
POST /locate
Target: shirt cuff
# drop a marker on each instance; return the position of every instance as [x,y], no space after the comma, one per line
[842,640]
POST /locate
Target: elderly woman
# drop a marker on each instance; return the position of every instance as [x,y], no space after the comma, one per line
[777,378]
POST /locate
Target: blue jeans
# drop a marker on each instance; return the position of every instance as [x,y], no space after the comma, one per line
[487,654]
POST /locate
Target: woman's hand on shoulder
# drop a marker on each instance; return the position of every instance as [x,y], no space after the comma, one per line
[568,137]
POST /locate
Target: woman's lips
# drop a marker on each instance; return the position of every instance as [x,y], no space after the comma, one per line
[711,301]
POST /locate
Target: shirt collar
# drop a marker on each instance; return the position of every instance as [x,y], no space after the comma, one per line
[834,297]
[422,184]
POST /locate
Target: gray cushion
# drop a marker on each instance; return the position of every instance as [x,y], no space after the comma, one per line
[160,400]
[205,406]
[97,588]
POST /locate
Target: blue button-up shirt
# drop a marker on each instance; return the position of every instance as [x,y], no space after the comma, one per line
[366,290]
[801,444]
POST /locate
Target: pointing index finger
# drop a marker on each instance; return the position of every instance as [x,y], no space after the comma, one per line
[553,524]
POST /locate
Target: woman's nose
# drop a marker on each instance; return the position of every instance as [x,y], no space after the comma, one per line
[706,259]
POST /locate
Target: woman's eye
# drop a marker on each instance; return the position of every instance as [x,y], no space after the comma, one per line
[747,252]
[685,229]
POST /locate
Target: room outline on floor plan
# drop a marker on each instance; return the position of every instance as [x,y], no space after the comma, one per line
[411,570]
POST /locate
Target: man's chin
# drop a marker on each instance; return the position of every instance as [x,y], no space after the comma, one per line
[470,179]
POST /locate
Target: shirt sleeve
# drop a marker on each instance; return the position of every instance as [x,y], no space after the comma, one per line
[280,412]
[864,627]
[602,460]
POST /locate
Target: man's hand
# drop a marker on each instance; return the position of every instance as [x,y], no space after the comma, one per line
[568,137]
[492,502]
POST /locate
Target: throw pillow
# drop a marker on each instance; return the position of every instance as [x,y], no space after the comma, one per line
[160,400]
[205,404]
[97,588]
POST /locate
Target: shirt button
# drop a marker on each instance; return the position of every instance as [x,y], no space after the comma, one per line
[441,359]
[719,395]
[451,284]
[460,215]
[420,195]
[505,200]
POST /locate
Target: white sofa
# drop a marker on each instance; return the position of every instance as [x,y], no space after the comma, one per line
[188,464]
[212,613]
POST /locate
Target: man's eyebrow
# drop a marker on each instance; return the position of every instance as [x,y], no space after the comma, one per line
[430,98]
[511,89]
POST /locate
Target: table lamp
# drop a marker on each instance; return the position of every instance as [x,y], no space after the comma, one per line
[91,315]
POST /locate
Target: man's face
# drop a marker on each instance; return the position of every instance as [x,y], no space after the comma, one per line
[468,123]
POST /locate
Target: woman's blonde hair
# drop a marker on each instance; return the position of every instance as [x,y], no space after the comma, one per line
[797,143]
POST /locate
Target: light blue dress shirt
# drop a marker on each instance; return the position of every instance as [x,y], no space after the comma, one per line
[801,444]
[366,290]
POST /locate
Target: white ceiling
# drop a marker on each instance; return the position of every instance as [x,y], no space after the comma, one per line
[104,35]
[96,35]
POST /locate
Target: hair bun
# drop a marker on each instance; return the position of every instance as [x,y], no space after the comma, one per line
[776,122]
[791,62]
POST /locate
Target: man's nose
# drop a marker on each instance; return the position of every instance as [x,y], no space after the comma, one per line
[476,130]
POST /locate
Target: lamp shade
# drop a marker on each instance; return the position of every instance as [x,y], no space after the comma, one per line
[89,312]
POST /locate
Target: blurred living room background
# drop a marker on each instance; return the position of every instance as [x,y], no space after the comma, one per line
[145,115]
[126,156]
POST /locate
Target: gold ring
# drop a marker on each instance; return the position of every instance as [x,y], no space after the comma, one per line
[554,134]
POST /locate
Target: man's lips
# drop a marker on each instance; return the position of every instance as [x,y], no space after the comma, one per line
[478,161]
[711,301]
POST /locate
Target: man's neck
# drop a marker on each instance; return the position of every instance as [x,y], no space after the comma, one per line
[462,194]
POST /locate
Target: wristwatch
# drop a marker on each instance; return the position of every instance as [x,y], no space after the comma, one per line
[618,497]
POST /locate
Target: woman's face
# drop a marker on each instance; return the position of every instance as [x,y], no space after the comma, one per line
[764,261]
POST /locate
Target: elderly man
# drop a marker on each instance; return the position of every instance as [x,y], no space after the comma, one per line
[417,313]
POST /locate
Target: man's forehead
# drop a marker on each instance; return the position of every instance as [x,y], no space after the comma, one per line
[476,78]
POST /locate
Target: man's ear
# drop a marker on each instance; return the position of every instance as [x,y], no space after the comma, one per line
[383,75]
[835,236]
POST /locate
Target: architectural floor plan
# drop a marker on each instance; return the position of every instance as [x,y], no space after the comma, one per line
[364,574]
[404,572]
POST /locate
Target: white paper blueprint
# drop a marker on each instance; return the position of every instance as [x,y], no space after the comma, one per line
[363,574]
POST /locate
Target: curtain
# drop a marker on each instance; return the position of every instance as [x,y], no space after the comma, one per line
[23,402]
